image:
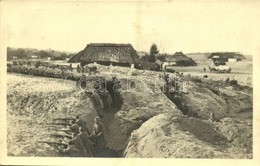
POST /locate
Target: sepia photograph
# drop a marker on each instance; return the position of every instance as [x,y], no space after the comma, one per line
[129,79]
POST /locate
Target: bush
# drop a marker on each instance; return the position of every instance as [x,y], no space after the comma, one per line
[233,82]
[150,66]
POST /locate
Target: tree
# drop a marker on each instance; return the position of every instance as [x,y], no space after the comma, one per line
[153,51]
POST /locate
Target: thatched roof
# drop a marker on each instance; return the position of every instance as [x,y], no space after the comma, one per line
[227,55]
[180,59]
[76,57]
[107,52]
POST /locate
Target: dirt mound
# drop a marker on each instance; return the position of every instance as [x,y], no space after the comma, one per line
[168,135]
[237,132]
[224,100]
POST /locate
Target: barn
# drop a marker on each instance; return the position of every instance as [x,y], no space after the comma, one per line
[226,56]
[177,59]
[108,54]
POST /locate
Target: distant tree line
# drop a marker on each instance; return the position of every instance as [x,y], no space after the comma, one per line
[24,53]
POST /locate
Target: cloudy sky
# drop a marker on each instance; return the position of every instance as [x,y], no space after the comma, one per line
[197,26]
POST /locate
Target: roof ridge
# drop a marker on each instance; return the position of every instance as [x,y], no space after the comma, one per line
[110,44]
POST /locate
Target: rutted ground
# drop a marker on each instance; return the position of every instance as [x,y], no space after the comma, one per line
[148,124]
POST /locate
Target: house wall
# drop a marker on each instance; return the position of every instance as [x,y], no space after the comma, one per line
[232,60]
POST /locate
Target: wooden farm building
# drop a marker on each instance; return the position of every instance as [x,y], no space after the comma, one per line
[107,54]
[178,59]
[226,56]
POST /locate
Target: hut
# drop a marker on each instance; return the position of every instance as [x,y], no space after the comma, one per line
[226,56]
[107,54]
[178,59]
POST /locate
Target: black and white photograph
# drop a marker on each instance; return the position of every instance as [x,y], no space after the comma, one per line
[129,79]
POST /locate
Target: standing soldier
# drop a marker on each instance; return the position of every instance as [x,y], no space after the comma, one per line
[99,133]
[98,104]
[85,137]
[81,123]
[106,99]
[78,69]
[81,142]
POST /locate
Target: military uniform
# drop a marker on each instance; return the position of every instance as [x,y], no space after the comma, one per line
[98,104]
[82,142]
[81,123]
[106,99]
[99,133]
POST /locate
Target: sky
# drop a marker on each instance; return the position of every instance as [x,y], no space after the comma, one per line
[194,26]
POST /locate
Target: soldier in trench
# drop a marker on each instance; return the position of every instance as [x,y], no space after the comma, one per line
[98,104]
[106,99]
[73,126]
[81,142]
[81,123]
[99,133]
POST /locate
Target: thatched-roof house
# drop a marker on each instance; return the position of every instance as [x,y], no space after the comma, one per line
[226,56]
[178,59]
[107,54]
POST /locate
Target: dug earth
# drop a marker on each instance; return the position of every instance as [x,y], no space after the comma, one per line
[147,124]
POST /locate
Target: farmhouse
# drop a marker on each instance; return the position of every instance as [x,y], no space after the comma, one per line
[226,56]
[108,54]
[178,59]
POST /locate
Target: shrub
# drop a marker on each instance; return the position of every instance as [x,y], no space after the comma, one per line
[233,82]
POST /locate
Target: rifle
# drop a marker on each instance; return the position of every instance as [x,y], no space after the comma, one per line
[63,124]
[61,136]
[64,119]
[52,143]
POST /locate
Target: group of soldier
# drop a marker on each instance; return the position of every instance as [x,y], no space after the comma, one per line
[83,142]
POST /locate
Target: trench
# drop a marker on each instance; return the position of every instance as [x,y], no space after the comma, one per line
[107,119]
[176,97]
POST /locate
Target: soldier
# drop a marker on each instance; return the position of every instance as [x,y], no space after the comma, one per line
[71,148]
[74,126]
[98,104]
[99,133]
[85,137]
[78,69]
[81,123]
[106,99]
[82,143]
